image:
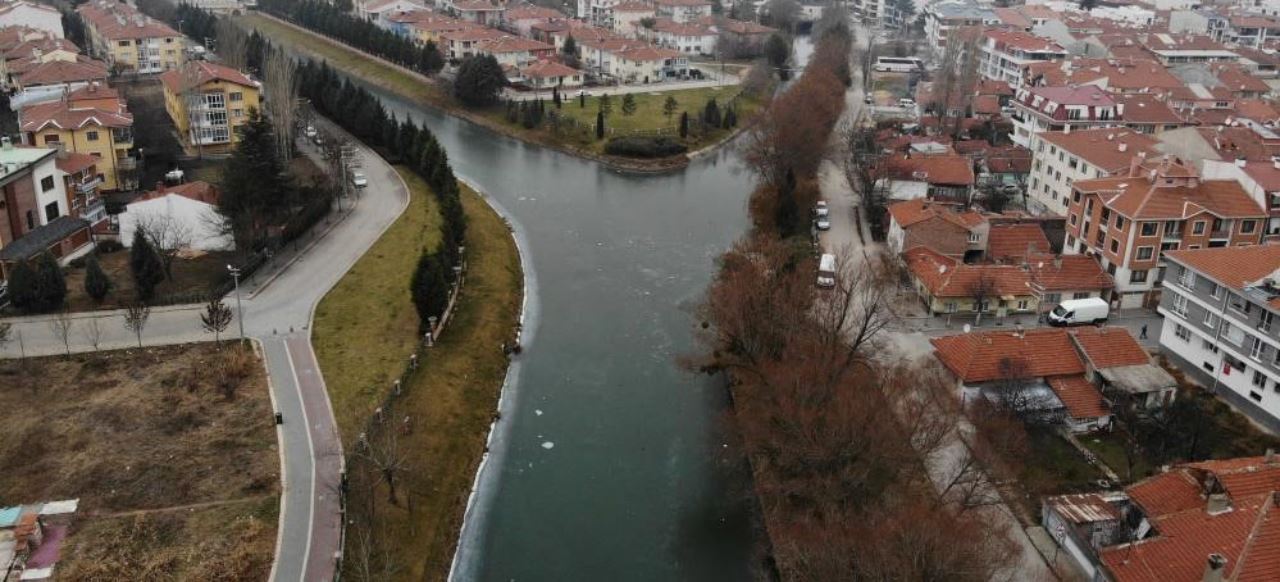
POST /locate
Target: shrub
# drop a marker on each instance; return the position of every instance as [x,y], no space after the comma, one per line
[644,147]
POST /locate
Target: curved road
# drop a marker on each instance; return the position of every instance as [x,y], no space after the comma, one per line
[278,308]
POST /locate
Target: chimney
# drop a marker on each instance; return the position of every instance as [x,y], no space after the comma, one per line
[1218,503]
[1122,147]
[1213,568]
[1270,457]
[1057,262]
[1240,162]
[6,143]
[1066,129]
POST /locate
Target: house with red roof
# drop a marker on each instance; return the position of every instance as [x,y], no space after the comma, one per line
[947,286]
[947,229]
[947,177]
[1201,521]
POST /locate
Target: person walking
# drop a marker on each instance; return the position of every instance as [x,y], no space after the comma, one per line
[1143,334]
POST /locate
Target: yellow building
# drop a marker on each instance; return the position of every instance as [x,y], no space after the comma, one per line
[92,121]
[129,40]
[207,103]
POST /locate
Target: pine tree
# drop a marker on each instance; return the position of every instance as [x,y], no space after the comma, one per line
[256,190]
[24,287]
[600,124]
[53,285]
[669,107]
[628,104]
[145,265]
[582,99]
[96,282]
[555,96]
[711,113]
[429,288]
[684,124]
[606,105]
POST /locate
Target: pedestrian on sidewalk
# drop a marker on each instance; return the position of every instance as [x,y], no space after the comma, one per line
[1143,334]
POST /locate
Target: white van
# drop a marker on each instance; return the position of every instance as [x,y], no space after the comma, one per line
[827,271]
[1080,311]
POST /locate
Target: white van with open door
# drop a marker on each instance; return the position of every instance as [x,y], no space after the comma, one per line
[1080,312]
[827,271]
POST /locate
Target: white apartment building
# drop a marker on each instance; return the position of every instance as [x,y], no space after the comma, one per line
[683,11]
[941,18]
[33,15]
[1006,54]
[1059,159]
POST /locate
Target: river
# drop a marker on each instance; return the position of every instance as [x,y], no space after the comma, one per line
[609,461]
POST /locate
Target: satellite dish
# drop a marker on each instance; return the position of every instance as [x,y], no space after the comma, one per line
[966,328]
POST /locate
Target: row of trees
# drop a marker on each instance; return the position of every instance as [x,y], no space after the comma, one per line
[333,21]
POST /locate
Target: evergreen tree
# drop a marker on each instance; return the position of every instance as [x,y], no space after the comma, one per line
[628,104]
[669,107]
[96,282]
[711,113]
[684,124]
[429,288]
[256,190]
[51,285]
[606,105]
[480,80]
[600,124]
[570,48]
[730,118]
[555,97]
[24,287]
[145,264]
[582,99]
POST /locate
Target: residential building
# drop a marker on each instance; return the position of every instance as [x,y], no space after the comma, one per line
[1129,222]
[1196,522]
[207,103]
[597,12]
[740,37]
[1117,76]
[83,185]
[691,39]
[51,80]
[430,28]
[34,211]
[941,19]
[945,228]
[28,54]
[1060,159]
[948,286]
[380,11]
[1014,242]
[129,40]
[23,13]
[626,17]
[947,178]
[520,19]
[1006,54]
[1063,373]
[1259,178]
[481,12]
[1220,304]
[1147,113]
[193,206]
[462,43]
[682,11]
[1174,50]
[1251,30]
[548,74]
[1038,109]
[514,51]
[1057,278]
[92,121]
[882,14]
[648,65]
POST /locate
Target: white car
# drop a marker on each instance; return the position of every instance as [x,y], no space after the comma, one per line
[358,180]
[824,223]
[820,209]
[310,132]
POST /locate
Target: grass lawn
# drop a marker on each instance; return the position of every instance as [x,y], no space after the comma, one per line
[648,115]
[365,330]
[1110,449]
[137,436]
[189,275]
[1054,467]
[366,327]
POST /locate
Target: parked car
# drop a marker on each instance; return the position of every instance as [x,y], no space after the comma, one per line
[906,103]
[4,294]
[827,271]
[1080,312]
[867,100]
[824,223]
[310,132]
[820,209]
[358,180]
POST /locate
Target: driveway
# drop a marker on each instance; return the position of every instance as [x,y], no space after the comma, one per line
[278,305]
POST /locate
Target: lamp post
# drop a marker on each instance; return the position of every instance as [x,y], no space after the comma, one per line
[235,276]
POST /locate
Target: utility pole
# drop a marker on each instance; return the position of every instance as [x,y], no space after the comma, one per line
[235,276]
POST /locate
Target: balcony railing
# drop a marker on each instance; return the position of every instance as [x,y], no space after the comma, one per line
[88,186]
[127,163]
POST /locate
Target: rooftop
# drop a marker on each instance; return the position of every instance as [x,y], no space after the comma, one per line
[1106,148]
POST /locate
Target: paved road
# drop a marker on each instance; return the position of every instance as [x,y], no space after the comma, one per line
[278,307]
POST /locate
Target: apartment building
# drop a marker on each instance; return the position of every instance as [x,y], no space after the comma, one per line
[130,40]
[32,15]
[690,39]
[597,12]
[942,18]
[1059,159]
[1039,109]
[92,121]
[1006,54]
[1129,222]
[1221,307]
[1260,178]
[1251,30]
[627,17]
[682,11]
[207,102]
[34,210]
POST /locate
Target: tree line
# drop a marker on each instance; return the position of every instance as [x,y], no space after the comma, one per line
[334,21]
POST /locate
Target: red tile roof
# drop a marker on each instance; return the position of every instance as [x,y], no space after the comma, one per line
[1079,396]
[545,69]
[975,357]
[196,73]
[1109,347]
[1012,242]
[198,190]
[1233,267]
[1139,198]
[1068,273]
[910,212]
[1083,507]
[945,170]
[59,72]
[63,116]
[1183,543]
[72,162]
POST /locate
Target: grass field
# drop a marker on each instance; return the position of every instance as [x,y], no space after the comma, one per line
[365,330]
[647,117]
[366,327]
[140,437]
[189,275]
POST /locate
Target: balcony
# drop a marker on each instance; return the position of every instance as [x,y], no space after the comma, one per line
[122,136]
[127,163]
[88,186]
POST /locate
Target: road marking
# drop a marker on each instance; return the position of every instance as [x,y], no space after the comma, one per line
[306,424]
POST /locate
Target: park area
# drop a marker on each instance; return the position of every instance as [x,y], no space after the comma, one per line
[171,452]
[193,275]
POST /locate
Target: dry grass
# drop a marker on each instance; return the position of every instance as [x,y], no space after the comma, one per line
[364,331]
[366,327]
[189,275]
[133,430]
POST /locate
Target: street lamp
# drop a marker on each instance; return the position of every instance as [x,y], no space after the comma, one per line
[235,276]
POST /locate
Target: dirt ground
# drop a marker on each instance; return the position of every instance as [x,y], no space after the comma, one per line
[189,275]
[171,451]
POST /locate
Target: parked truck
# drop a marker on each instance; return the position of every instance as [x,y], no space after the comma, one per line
[1080,312]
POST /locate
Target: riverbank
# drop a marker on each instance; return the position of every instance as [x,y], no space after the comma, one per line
[365,330]
[426,91]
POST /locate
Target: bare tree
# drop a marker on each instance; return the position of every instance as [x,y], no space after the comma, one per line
[385,456]
[980,290]
[93,332]
[61,325]
[135,318]
[216,318]
[233,44]
[6,334]
[280,84]
[952,89]
[167,234]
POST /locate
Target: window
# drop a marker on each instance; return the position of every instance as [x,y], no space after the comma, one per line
[46,183]
[1080,295]
[1240,304]
[1180,304]
[1248,226]
[1259,380]
[1265,322]
[974,237]
[1185,277]
[1149,228]
[1255,396]
[1075,197]
[123,43]
[1211,319]
[237,96]
[1052,297]
[1119,221]
[1183,333]
[91,136]
[51,138]
[1023,304]
[1198,227]
[1138,276]
[1115,245]
[50,211]
[1106,216]
[1215,290]
[1073,220]
[1208,346]
[950,306]
[1255,349]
